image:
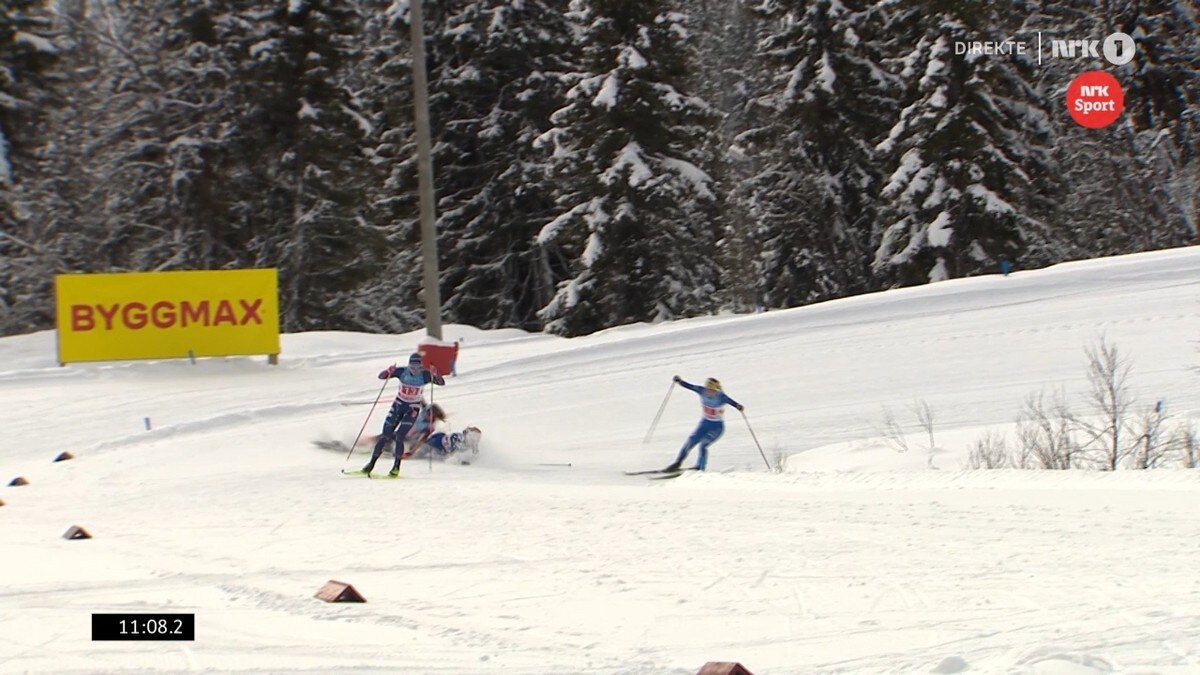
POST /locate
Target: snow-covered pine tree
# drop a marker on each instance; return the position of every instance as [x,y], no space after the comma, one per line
[494,87]
[197,134]
[389,301]
[968,165]
[28,55]
[634,201]
[1165,77]
[298,148]
[1163,99]
[813,193]
[1132,185]
[492,71]
[66,214]
[146,103]
[28,64]
[726,73]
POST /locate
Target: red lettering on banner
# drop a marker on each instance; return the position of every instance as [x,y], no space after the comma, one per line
[163,314]
[251,312]
[108,316]
[166,314]
[134,315]
[197,315]
[224,314]
[82,318]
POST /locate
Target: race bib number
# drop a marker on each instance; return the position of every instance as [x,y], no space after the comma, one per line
[410,393]
[712,413]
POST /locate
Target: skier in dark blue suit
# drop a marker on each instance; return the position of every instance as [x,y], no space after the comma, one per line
[405,408]
[712,406]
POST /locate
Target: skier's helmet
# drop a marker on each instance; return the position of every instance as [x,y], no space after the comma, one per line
[712,384]
[414,361]
[470,439]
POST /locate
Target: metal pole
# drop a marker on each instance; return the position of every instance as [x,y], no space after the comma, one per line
[429,429]
[368,419]
[657,417]
[433,297]
[756,443]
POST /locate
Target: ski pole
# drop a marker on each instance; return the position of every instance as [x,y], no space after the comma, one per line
[657,417]
[429,430]
[364,425]
[756,443]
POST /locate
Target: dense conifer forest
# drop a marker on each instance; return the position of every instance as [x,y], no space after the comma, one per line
[597,162]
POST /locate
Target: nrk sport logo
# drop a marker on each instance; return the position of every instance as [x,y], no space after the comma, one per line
[1094,99]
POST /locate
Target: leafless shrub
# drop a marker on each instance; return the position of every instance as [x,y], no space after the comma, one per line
[1046,433]
[924,414]
[891,431]
[1187,440]
[989,452]
[1151,450]
[1023,457]
[1108,374]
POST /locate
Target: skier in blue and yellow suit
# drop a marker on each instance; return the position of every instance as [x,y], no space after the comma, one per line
[712,406]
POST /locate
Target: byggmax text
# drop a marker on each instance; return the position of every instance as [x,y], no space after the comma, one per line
[165,314]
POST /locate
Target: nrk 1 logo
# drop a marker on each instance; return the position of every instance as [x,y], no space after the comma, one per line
[1118,49]
[1094,99]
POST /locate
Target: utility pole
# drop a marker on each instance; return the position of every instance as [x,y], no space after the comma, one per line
[432,293]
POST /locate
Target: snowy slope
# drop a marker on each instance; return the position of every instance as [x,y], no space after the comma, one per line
[857,559]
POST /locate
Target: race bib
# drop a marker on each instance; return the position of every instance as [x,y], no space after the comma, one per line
[712,413]
[409,393]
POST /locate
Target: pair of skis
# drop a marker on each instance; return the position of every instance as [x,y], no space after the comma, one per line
[363,474]
[660,474]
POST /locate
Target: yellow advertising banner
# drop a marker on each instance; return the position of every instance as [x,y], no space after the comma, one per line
[157,315]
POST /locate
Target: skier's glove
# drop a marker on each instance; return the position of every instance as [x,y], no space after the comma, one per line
[739,406]
[677,379]
[387,372]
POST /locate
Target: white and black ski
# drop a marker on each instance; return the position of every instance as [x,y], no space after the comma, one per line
[656,474]
[378,476]
[672,474]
